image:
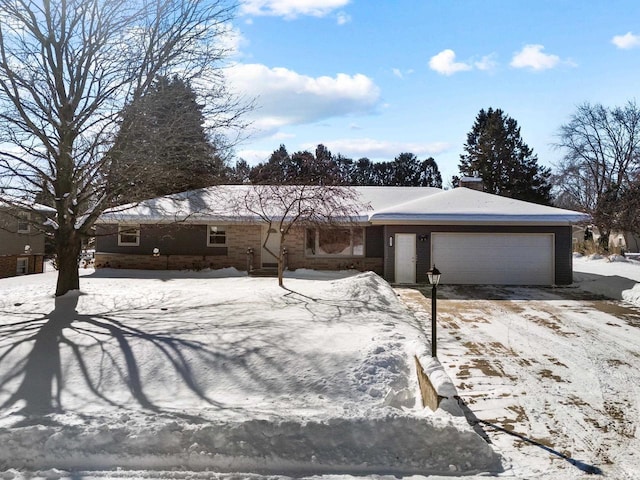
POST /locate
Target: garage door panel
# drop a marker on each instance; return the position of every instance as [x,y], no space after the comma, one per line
[507,259]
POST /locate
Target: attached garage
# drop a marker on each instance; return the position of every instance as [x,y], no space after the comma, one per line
[494,258]
[477,238]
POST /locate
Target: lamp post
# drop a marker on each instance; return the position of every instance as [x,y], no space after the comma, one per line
[434,279]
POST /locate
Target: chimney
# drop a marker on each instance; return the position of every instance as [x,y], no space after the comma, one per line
[474,183]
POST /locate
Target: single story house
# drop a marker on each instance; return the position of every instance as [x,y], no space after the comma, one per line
[471,236]
[21,238]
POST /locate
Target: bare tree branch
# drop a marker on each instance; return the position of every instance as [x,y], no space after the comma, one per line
[68,68]
[292,206]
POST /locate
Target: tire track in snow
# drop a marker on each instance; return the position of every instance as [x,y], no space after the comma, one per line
[552,365]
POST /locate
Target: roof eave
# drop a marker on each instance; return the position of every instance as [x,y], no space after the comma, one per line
[529,220]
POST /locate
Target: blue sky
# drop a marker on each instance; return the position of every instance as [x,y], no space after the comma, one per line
[378,78]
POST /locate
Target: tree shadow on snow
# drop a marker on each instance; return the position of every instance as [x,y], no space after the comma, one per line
[120,359]
[38,376]
[477,424]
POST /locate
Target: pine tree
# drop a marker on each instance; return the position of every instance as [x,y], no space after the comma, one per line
[299,168]
[496,152]
[277,170]
[162,144]
[430,174]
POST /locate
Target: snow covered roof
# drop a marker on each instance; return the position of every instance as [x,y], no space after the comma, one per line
[468,206]
[8,202]
[380,205]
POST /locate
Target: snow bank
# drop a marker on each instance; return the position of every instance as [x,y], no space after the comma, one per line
[190,371]
[614,277]
[376,443]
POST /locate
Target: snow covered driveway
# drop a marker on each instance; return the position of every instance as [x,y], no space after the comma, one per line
[558,366]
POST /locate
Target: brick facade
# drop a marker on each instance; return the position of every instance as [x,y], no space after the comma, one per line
[240,238]
[9,263]
[295,245]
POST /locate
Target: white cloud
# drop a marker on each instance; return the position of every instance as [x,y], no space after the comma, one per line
[342,18]
[283,136]
[401,74]
[284,97]
[486,63]
[291,8]
[231,40]
[378,149]
[445,63]
[533,57]
[626,41]
[253,157]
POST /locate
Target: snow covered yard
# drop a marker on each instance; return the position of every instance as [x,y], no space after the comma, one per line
[555,366]
[167,372]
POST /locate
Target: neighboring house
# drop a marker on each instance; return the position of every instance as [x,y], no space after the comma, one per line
[619,242]
[471,236]
[21,241]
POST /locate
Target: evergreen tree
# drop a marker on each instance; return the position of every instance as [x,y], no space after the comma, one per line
[240,173]
[321,169]
[404,171]
[430,174]
[407,170]
[162,142]
[278,170]
[363,173]
[300,168]
[496,152]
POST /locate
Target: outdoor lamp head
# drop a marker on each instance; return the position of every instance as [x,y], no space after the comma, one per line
[434,276]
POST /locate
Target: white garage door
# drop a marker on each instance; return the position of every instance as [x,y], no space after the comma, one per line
[489,258]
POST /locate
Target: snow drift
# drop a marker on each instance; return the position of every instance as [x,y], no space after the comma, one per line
[161,371]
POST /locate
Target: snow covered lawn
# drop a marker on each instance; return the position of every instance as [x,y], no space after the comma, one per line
[185,371]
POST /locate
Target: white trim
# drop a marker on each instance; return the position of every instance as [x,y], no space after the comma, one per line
[475,220]
[132,229]
[222,230]
[23,217]
[24,260]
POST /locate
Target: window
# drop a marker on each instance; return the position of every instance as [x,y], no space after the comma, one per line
[217,237]
[129,235]
[22,267]
[23,222]
[335,242]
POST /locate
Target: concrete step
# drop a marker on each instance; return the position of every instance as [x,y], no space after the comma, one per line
[264,272]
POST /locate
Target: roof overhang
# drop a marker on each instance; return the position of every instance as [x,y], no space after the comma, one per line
[475,219]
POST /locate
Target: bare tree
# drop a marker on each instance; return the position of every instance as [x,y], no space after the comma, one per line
[601,157]
[285,207]
[68,68]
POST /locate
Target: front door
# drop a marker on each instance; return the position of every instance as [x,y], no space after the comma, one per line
[270,240]
[405,258]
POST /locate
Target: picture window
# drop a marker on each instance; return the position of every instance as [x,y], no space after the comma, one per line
[335,242]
